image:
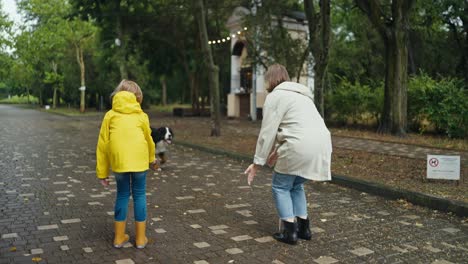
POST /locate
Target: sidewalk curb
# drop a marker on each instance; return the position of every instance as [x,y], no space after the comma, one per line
[433,202]
[233,155]
[426,200]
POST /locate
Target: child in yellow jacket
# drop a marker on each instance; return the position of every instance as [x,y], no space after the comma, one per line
[125,145]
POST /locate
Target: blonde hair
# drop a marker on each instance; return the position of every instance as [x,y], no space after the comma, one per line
[275,75]
[129,86]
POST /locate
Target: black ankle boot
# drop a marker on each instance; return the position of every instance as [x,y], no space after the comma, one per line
[289,234]
[303,229]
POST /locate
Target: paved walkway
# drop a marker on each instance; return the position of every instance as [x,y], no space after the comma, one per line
[394,149]
[200,210]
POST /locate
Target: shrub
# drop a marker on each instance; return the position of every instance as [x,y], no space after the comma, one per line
[444,103]
[418,97]
[356,102]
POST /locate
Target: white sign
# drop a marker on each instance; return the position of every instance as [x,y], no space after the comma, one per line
[443,167]
[82,88]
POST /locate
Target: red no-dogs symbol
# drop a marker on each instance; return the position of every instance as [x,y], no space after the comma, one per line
[433,162]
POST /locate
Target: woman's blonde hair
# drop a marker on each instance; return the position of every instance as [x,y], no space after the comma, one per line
[275,75]
[129,86]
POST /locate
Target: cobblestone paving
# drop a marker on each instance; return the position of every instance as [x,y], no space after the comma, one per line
[200,209]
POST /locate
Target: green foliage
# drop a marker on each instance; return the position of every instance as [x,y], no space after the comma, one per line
[53,78]
[443,103]
[355,102]
[356,51]
[269,40]
[20,100]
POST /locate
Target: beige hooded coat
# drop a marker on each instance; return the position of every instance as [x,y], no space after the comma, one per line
[292,123]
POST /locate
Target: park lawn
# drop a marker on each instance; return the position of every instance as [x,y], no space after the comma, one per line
[406,173]
[73,111]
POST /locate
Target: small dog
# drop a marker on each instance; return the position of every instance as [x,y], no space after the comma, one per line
[162,137]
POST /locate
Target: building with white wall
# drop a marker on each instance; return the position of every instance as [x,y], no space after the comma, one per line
[247,93]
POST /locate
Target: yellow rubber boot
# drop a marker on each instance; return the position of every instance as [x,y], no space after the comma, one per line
[120,237]
[141,239]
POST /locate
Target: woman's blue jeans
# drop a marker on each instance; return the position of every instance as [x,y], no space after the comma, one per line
[289,195]
[136,182]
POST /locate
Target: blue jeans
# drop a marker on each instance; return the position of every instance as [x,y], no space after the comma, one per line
[289,195]
[136,181]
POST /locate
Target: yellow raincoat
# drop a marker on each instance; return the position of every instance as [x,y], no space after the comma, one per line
[125,143]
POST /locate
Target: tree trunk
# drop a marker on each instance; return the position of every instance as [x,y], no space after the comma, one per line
[464,57]
[54,98]
[301,65]
[319,43]
[213,72]
[80,59]
[27,92]
[319,85]
[395,38]
[121,50]
[164,90]
[41,102]
[194,93]
[396,76]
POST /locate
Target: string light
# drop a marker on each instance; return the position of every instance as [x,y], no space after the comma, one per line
[229,37]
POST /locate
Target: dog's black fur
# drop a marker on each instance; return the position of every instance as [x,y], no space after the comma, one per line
[162,135]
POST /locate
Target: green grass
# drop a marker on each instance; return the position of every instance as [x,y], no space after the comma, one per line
[72,112]
[167,108]
[19,100]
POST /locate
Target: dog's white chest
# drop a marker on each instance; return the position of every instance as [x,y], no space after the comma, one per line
[161,146]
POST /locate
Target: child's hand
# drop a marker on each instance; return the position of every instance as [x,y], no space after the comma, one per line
[154,165]
[104,182]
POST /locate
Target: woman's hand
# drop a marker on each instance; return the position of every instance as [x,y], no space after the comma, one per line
[272,158]
[104,182]
[251,171]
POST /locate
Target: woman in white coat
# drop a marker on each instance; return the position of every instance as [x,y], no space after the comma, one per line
[294,138]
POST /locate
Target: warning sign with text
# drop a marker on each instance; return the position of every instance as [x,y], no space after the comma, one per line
[443,167]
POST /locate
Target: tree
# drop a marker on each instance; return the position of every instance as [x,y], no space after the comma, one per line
[269,40]
[319,43]
[79,33]
[455,15]
[392,23]
[213,71]
[6,60]
[355,43]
